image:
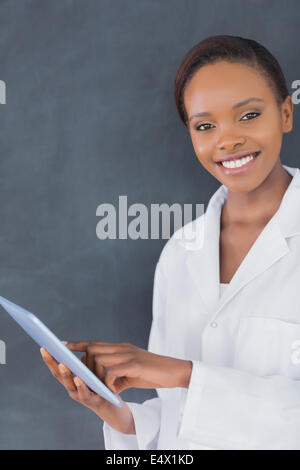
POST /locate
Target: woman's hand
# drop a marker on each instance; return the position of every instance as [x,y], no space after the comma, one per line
[120,419]
[123,365]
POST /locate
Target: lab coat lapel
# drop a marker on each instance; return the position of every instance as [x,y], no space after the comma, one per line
[271,244]
[269,247]
[203,264]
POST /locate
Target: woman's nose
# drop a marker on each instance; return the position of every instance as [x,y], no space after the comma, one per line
[230,141]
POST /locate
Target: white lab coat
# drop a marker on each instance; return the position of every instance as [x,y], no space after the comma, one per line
[244,391]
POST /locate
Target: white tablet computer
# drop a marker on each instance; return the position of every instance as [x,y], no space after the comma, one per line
[46,339]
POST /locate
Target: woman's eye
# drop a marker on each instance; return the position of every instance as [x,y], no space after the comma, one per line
[205,124]
[254,115]
[249,114]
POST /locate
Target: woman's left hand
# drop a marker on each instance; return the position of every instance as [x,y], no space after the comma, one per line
[123,365]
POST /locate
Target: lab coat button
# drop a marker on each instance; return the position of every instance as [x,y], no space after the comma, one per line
[214,324]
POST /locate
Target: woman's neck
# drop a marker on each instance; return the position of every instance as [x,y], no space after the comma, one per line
[256,207]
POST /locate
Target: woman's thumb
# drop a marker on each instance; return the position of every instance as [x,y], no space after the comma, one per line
[120,384]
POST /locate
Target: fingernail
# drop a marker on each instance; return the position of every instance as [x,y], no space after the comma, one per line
[42,352]
[65,342]
[62,369]
[77,382]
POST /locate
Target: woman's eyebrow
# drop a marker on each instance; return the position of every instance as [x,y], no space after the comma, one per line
[237,105]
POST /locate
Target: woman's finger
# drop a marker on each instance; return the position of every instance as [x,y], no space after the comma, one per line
[77,391]
[96,346]
[90,361]
[84,393]
[67,378]
[51,363]
[99,369]
[78,345]
[83,359]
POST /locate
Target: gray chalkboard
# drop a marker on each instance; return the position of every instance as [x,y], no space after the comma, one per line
[90,116]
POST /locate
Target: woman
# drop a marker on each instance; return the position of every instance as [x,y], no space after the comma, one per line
[225,362]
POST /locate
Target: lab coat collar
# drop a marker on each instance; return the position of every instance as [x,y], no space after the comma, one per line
[203,254]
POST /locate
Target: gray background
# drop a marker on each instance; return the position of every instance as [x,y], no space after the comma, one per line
[90,115]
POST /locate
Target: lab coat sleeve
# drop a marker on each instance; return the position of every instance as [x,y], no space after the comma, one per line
[226,408]
[147,422]
[146,415]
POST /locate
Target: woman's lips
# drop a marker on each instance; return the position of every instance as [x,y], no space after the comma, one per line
[241,169]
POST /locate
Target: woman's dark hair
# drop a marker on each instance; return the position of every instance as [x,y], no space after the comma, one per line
[233,49]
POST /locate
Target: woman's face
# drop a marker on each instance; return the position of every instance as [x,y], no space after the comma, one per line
[229,127]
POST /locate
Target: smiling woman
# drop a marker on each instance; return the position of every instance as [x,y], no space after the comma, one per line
[232,96]
[224,362]
[214,101]
[231,307]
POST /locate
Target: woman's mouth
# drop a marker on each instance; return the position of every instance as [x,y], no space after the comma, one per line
[232,167]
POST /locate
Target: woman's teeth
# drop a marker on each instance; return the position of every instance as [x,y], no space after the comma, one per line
[239,162]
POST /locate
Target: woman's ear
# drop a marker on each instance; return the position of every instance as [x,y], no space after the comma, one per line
[287,108]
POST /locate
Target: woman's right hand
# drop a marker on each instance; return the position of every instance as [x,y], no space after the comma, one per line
[120,419]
